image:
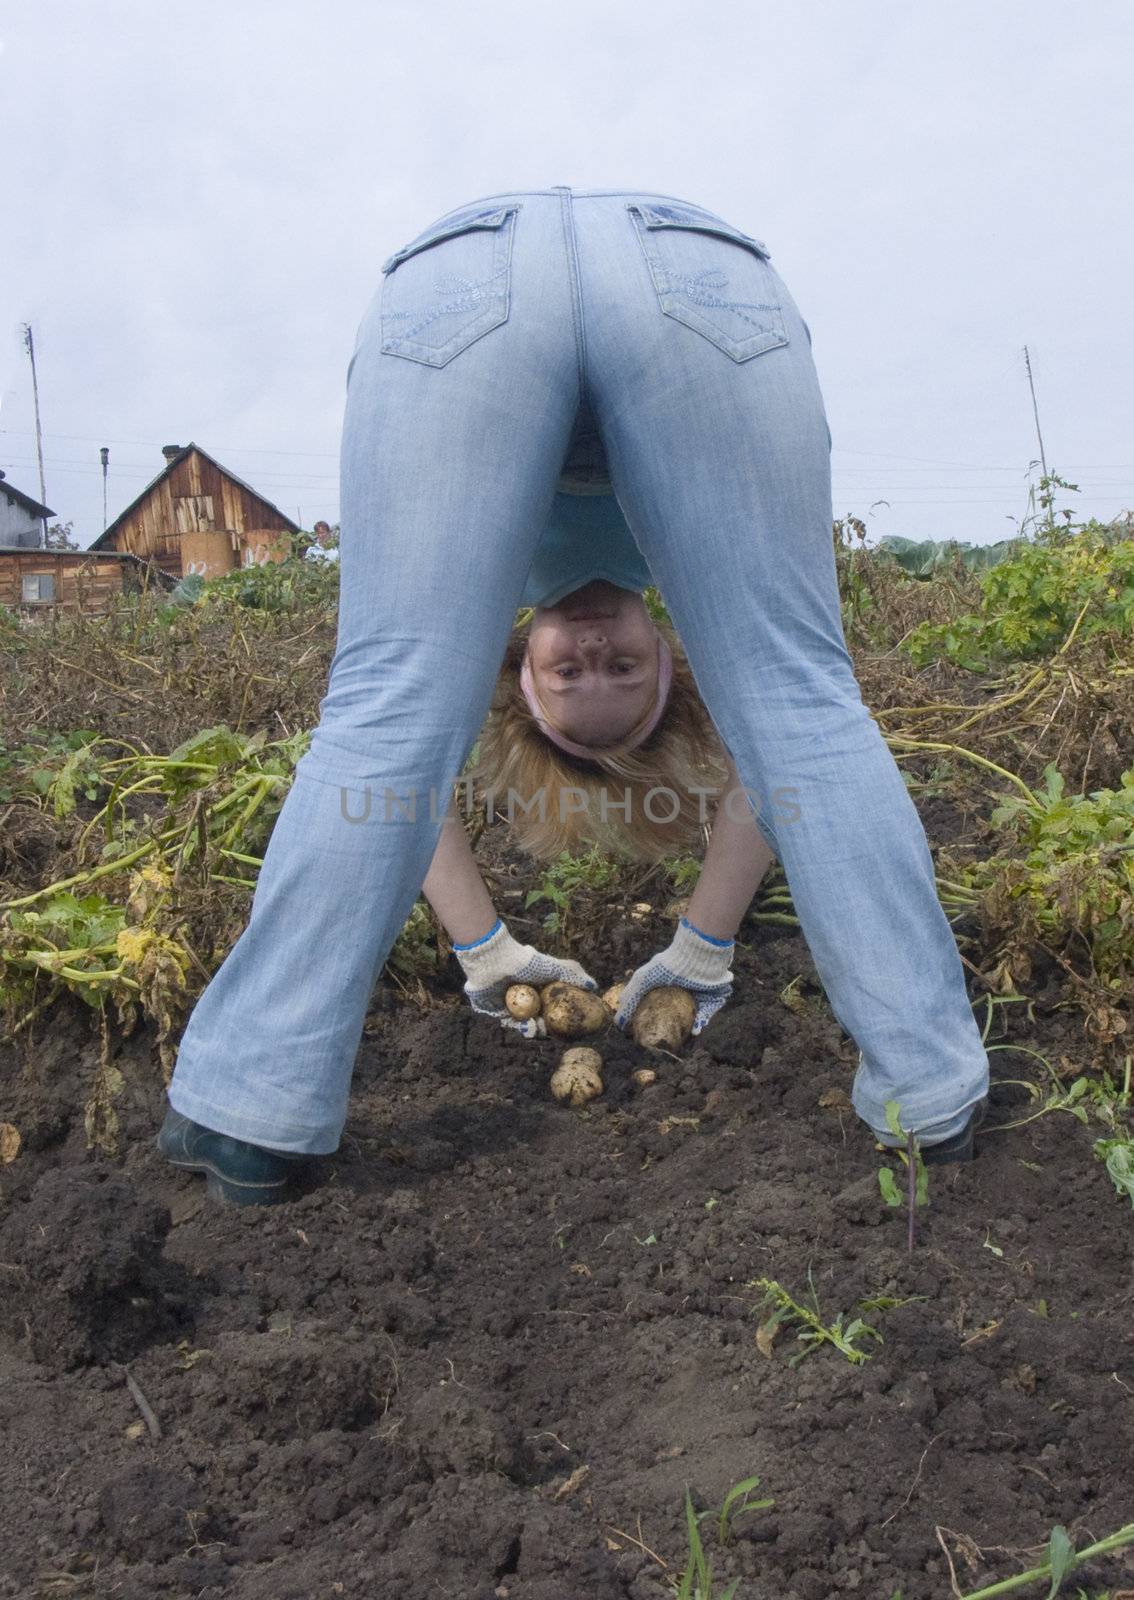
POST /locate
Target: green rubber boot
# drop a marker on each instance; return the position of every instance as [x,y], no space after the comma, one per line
[236,1172]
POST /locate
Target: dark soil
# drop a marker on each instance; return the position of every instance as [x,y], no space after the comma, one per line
[485,1354]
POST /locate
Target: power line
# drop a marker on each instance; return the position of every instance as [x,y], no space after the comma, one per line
[89,438]
[1101,489]
[138,468]
[143,474]
[927,463]
[1079,466]
[894,503]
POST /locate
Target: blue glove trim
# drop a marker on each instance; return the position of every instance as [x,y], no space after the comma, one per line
[495,928]
[721,944]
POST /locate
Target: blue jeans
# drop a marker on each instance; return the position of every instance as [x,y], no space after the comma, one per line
[470,367]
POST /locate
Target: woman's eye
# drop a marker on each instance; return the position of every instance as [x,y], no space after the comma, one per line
[618,667]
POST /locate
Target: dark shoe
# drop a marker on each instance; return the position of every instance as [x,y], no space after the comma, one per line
[237,1172]
[959,1146]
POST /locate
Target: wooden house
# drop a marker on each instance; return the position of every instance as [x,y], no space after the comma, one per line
[35,583]
[198,517]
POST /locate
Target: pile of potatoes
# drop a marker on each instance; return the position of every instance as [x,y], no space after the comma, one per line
[663,1020]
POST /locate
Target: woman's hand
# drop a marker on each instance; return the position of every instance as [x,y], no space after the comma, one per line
[736,858]
[693,961]
[495,962]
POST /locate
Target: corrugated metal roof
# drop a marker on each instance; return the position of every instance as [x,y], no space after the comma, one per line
[99,555]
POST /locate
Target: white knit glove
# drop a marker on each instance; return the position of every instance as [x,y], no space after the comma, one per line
[694,961]
[494,963]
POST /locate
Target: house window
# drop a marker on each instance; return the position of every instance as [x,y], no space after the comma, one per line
[37,586]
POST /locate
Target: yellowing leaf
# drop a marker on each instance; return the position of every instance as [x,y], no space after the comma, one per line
[132,944]
[9,1143]
[835,1100]
[766,1337]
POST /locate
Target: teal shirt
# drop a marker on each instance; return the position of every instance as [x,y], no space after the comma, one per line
[586,537]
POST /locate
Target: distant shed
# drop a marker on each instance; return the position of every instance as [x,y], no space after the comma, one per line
[38,583]
[198,517]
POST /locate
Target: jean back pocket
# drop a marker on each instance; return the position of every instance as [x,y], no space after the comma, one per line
[712,277]
[449,286]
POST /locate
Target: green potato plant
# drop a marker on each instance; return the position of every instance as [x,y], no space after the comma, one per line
[917,1178]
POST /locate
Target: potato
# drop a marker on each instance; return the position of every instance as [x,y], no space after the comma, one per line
[523,1001]
[572,1012]
[663,1020]
[644,1077]
[578,1077]
[612,996]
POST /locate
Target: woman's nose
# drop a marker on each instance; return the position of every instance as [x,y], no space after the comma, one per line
[592,639]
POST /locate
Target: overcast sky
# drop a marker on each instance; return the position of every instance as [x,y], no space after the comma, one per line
[197,200]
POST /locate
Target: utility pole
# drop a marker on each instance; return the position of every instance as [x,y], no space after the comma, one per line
[29,346]
[1039,435]
[104,457]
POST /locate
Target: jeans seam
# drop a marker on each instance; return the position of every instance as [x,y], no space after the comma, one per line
[576,288]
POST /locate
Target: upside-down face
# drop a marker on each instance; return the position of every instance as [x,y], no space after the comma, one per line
[594,661]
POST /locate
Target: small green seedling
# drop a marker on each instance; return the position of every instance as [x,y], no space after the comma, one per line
[814,1332]
[1062,1558]
[683,872]
[917,1179]
[735,1504]
[560,882]
[1057,1098]
[1118,1155]
[697,1579]
[889,1302]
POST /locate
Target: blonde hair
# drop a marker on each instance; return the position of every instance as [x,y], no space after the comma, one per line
[615,790]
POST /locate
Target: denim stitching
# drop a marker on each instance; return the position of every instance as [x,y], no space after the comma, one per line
[697,289]
[690,216]
[465,294]
[448,227]
[669,283]
[469,294]
[576,287]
